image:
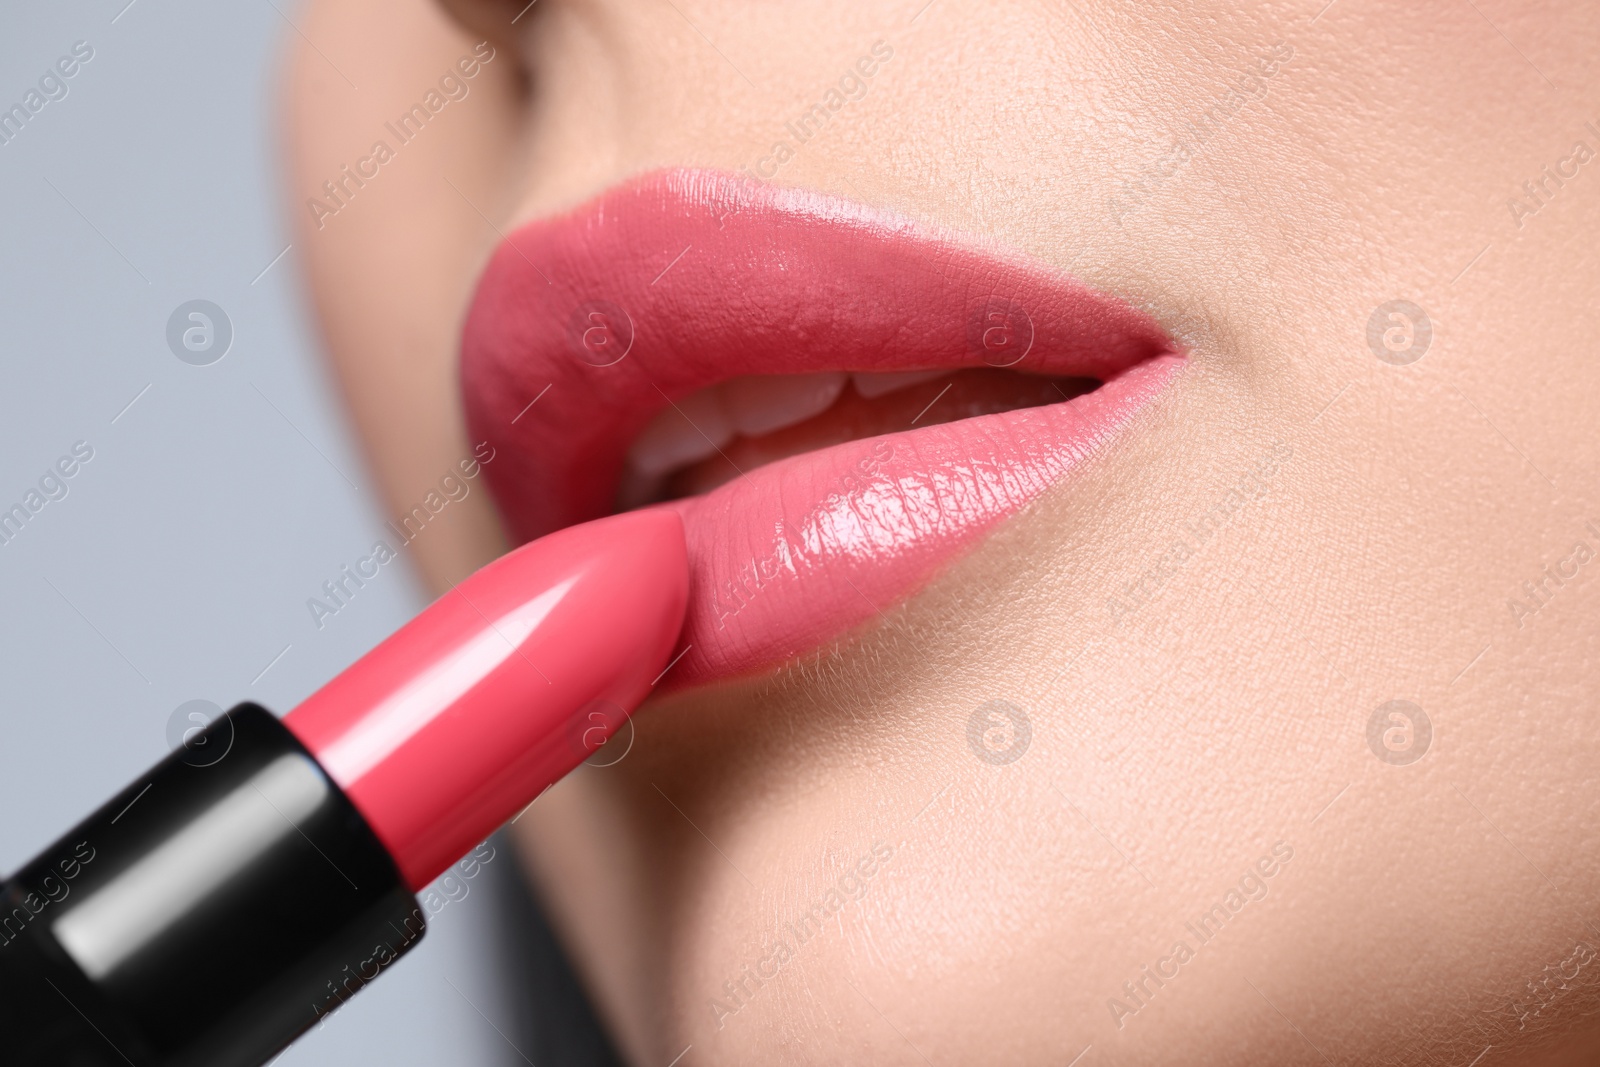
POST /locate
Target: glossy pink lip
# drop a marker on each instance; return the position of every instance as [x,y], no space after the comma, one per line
[586,325]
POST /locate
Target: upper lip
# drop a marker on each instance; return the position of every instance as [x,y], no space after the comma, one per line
[585,325]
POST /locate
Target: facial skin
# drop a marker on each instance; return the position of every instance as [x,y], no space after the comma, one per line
[1189,709]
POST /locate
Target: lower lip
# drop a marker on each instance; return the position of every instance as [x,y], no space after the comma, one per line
[808,547]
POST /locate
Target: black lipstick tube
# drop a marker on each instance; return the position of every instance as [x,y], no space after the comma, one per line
[206,917]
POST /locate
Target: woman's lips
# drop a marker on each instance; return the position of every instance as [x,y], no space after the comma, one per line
[587,325]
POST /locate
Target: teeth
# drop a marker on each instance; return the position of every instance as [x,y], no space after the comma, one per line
[682,435]
[759,405]
[871,385]
[703,422]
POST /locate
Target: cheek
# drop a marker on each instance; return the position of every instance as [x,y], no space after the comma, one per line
[358,275]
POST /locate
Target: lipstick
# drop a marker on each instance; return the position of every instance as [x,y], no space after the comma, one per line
[265,872]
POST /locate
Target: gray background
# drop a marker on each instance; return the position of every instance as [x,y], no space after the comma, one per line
[179,564]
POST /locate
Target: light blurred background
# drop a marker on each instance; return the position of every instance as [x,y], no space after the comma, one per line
[178,565]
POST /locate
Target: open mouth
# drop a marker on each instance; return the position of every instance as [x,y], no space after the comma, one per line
[727,430]
[836,400]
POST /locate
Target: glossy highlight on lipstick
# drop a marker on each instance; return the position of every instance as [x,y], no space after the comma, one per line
[501,686]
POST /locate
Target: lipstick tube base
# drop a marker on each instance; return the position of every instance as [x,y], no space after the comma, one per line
[211,913]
